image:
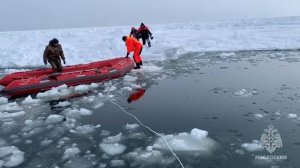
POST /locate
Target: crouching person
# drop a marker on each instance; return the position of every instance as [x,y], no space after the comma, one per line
[53,55]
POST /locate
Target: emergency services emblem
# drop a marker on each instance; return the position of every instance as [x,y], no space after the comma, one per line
[271,139]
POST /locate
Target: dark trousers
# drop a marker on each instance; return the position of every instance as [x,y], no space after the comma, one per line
[146,40]
[55,64]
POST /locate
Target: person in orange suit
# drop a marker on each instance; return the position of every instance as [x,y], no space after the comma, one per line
[133,45]
[136,95]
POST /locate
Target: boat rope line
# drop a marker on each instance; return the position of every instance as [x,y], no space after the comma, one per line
[144,125]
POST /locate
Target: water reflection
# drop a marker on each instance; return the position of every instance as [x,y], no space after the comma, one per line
[136,95]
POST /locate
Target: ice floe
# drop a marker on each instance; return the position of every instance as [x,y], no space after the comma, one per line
[117,163]
[246,92]
[11,156]
[112,146]
[254,146]
[195,141]
[131,127]
[29,101]
[3,100]
[148,157]
[292,115]
[54,118]
[70,152]
[85,129]
[258,116]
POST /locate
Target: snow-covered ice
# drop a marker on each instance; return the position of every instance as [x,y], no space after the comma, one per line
[104,43]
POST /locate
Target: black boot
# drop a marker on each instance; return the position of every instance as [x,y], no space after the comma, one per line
[149,44]
[137,66]
[141,63]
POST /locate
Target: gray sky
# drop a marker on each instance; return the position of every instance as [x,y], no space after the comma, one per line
[48,14]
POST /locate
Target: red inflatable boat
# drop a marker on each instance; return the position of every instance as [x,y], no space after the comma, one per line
[30,82]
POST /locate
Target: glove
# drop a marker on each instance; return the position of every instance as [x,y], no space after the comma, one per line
[64,61]
[151,38]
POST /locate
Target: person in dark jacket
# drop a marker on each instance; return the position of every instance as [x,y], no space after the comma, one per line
[53,54]
[134,33]
[145,34]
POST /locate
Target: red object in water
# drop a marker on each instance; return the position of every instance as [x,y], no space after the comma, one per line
[136,95]
[30,82]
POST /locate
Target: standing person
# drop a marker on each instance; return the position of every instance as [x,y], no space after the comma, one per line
[145,34]
[134,33]
[134,45]
[53,53]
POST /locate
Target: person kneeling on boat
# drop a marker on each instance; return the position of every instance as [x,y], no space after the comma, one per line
[134,45]
[53,53]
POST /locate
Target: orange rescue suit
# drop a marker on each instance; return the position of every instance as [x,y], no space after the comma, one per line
[134,45]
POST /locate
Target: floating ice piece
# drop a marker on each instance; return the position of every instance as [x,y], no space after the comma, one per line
[10,107]
[253,147]
[46,142]
[135,86]
[131,127]
[112,148]
[88,99]
[129,78]
[54,118]
[85,129]
[117,163]
[148,157]
[70,152]
[104,133]
[258,116]
[63,104]
[85,112]
[94,85]
[7,115]
[31,102]
[11,156]
[98,105]
[28,141]
[3,100]
[82,89]
[126,88]
[110,89]
[111,145]
[292,115]
[196,141]
[245,93]
[101,95]
[113,139]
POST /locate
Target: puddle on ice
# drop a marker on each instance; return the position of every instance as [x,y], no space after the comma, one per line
[208,115]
